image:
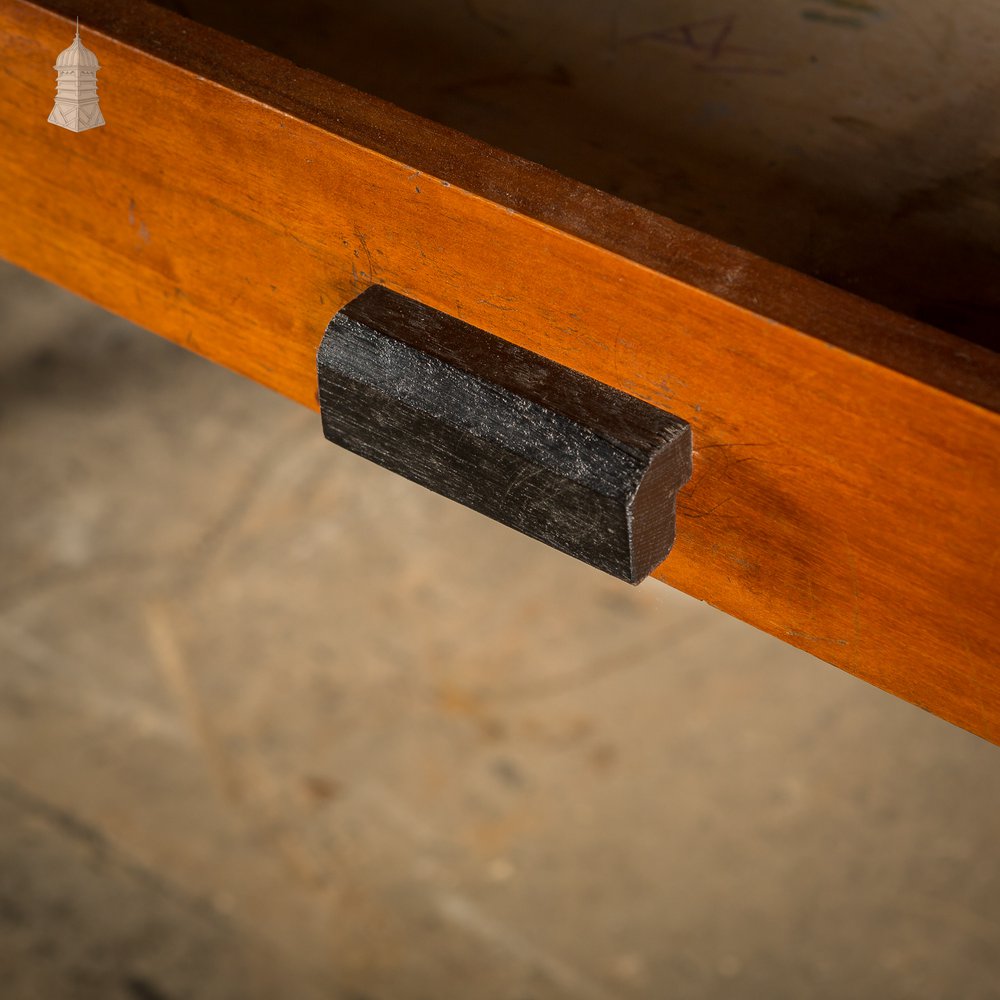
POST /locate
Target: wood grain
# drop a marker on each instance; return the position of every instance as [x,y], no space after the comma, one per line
[761,126]
[558,456]
[846,476]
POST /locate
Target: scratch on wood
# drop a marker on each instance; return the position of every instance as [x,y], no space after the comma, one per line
[794,633]
[709,38]
[368,254]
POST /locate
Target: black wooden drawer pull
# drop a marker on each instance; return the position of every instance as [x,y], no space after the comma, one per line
[570,461]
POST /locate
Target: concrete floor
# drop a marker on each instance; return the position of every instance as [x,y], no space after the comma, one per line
[275,723]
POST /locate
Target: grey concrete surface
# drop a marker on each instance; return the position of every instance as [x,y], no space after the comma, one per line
[274,723]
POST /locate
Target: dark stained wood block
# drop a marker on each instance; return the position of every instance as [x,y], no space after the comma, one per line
[555,454]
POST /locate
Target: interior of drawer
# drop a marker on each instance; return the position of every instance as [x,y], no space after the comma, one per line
[856,141]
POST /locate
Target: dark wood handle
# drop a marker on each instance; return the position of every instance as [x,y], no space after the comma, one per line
[563,458]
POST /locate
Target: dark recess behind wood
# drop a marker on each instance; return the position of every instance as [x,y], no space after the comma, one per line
[904,250]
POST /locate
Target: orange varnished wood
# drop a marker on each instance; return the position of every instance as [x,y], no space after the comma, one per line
[846,458]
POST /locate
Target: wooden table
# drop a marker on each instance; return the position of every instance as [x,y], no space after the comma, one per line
[846,474]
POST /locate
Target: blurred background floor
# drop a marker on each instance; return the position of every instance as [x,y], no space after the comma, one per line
[274,722]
